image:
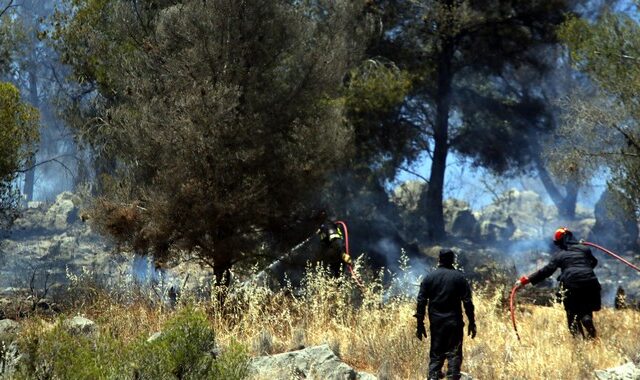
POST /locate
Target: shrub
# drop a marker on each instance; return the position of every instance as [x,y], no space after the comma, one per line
[185,350]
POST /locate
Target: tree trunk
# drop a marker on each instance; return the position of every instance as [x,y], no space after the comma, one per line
[566,204]
[433,202]
[30,175]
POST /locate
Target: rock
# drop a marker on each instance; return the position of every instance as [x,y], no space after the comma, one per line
[627,371]
[407,195]
[515,215]
[8,329]
[62,213]
[497,230]
[365,376]
[459,219]
[317,362]
[81,326]
[155,336]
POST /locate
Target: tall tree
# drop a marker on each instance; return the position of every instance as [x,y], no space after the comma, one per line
[35,70]
[604,129]
[220,134]
[447,42]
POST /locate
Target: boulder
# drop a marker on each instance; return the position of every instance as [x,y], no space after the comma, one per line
[317,362]
[628,371]
[459,219]
[81,326]
[62,213]
[407,195]
[515,215]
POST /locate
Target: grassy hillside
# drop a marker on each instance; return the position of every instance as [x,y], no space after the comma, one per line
[369,330]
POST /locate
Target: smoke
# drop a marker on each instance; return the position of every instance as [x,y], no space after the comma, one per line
[528,255]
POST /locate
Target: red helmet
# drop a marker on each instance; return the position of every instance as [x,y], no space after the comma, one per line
[561,233]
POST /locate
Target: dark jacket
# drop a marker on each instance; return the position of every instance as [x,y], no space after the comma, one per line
[329,231]
[576,263]
[444,290]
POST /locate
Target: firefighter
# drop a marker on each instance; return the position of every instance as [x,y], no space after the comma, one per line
[580,287]
[333,237]
[444,290]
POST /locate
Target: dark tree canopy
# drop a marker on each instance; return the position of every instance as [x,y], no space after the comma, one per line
[223,118]
[458,52]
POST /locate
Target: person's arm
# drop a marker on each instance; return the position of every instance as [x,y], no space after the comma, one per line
[544,272]
[592,260]
[469,309]
[423,300]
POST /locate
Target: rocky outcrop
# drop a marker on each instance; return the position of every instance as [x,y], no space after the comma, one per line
[515,215]
[317,362]
[57,217]
[459,219]
[628,371]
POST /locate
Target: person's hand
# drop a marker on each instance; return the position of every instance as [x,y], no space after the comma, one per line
[471,330]
[421,331]
[347,259]
[524,280]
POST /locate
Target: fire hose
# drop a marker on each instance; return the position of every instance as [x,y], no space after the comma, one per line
[512,307]
[355,277]
[515,288]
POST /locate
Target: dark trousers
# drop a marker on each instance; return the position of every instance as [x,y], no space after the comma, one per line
[580,303]
[446,344]
[581,321]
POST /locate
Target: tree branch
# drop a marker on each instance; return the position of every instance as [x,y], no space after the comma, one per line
[7,7]
[415,174]
[54,159]
[630,140]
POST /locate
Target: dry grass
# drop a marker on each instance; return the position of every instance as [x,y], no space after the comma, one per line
[375,333]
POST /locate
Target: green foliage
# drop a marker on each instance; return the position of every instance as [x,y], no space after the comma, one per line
[374,94]
[603,128]
[376,87]
[219,133]
[18,135]
[184,350]
[58,354]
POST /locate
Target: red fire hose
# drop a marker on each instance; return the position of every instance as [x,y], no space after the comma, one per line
[515,288]
[512,308]
[346,244]
[611,254]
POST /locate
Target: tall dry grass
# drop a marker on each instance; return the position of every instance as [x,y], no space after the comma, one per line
[374,332]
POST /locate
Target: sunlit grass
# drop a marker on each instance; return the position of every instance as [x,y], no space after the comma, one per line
[374,332]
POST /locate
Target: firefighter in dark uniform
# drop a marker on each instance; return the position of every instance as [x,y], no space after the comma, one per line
[332,236]
[444,290]
[580,287]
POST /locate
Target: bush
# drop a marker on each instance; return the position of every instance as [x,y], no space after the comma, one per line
[185,350]
[57,354]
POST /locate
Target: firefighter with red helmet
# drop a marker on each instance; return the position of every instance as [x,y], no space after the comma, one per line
[580,286]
